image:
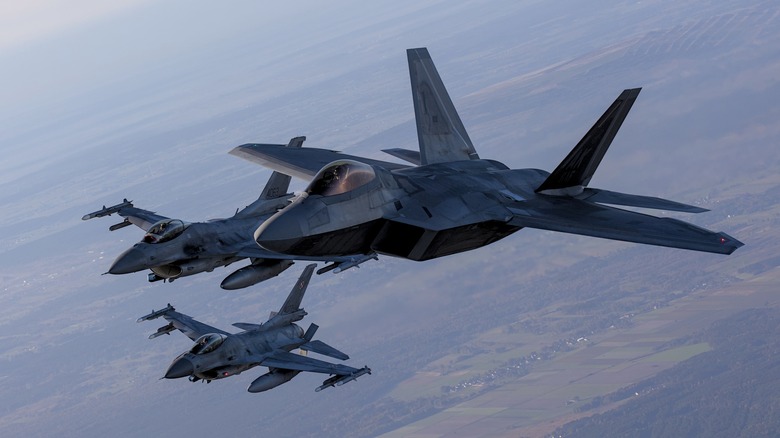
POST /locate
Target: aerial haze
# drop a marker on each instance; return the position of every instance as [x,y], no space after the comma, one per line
[142,100]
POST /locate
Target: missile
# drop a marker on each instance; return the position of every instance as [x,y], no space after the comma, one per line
[343,266]
[271,380]
[156,313]
[353,376]
[124,223]
[164,330]
[339,380]
[253,274]
[108,211]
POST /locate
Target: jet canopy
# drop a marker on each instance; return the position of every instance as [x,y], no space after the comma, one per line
[207,343]
[165,230]
[340,177]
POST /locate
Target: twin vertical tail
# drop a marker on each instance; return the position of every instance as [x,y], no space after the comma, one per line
[577,169]
[278,184]
[440,132]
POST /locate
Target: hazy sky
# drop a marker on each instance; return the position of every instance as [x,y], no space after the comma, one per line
[143,99]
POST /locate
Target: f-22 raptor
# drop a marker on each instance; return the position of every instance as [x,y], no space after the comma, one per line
[173,248]
[217,354]
[451,200]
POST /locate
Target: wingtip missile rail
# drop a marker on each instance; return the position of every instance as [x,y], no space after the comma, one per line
[339,380]
[156,313]
[107,211]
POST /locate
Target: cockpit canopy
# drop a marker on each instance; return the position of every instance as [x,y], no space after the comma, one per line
[164,230]
[207,343]
[340,177]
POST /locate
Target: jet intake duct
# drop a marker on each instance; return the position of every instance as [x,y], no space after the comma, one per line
[272,380]
[167,271]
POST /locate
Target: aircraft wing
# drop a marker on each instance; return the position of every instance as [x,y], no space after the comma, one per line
[143,219]
[179,321]
[291,361]
[256,252]
[585,218]
[301,163]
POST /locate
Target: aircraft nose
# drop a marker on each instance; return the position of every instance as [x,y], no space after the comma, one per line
[181,367]
[129,261]
[281,231]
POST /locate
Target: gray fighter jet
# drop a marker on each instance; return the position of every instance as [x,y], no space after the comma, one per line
[172,248]
[451,200]
[218,354]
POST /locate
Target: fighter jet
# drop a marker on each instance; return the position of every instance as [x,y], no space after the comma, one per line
[173,248]
[217,354]
[450,200]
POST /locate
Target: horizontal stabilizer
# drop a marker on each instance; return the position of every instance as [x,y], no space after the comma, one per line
[440,132]
[405,154]
[578,167]
[320,347]
[615,198]
[588,219]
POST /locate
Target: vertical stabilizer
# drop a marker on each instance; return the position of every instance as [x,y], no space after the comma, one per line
[441,134]
[576,170]
[293,301]
[278,184]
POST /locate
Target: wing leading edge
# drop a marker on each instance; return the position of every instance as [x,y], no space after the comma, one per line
[301,163]
[291,361]
[584,218]
[141,218]
[179,321]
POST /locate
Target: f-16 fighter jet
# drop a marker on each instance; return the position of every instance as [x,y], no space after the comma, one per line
[451,200]
[173,248]
[217,354]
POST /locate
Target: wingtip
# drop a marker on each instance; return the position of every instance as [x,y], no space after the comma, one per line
[730,244]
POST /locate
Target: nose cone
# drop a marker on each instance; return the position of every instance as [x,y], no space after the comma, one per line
[283,230]
[132,260]
[181,367]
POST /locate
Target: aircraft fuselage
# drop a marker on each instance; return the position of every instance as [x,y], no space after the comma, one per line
[417,213]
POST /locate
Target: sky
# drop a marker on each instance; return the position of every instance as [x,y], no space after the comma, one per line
[143,99]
